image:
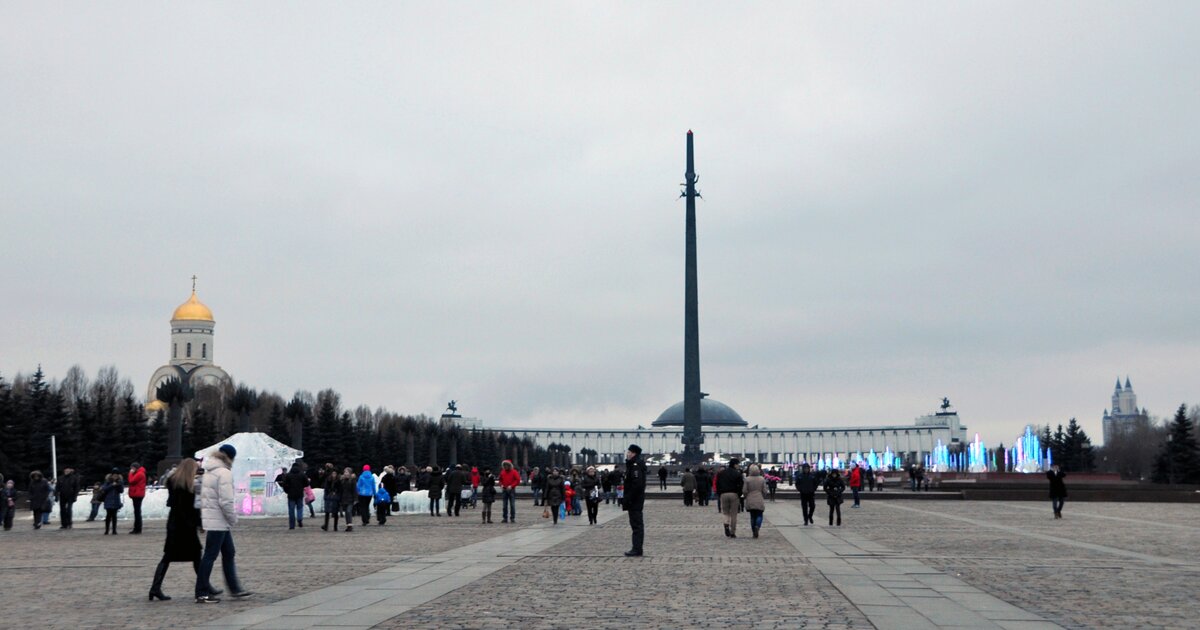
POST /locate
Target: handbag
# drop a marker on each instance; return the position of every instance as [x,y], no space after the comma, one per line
[395,506]
[546,513]
[309,496]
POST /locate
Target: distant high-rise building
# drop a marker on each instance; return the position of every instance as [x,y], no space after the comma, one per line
[1124,411]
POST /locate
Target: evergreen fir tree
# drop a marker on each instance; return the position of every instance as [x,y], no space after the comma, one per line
[277,426]
[1179,461]
[156,449]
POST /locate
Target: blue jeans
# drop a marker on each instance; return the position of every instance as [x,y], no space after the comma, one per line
[509,497]
[537,495]
[854,491]
[1057,504]
[217,542]
[295,512]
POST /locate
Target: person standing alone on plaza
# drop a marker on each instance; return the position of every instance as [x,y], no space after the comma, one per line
[589,487]
[349,498]
[806,485]
[662,477]
[635,497]
[455,480]
[487,494]
[729,492]
[217,517]
[834,487]
[112,491]
[509,480]
[855,481]
[39,497]
[703,485]
[332,497]
[67,491]
[137,492]
[1058,489]
[8,504]
[294,483]
[183,543]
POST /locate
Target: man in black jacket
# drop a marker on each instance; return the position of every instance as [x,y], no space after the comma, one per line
[67,491]
[729,492]
[635,496]
[806,485]
[454,486]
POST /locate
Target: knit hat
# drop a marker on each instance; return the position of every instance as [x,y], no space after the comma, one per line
[229,450]
[637,450]
[366,468]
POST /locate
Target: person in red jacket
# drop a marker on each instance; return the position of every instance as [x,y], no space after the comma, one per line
[474,485]
[137,492]
[509,480]
[855,481]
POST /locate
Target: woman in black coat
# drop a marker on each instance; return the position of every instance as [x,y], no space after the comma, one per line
[183,543]
[834,487]
[555,492]
[487,494]
[39,497]
[436,483]
[1058,489]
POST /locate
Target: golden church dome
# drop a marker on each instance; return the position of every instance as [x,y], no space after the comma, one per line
[193,309]
[155,406]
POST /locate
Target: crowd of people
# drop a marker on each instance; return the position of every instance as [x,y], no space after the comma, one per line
[201,499]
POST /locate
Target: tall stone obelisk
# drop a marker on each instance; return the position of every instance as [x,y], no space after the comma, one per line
[693,435]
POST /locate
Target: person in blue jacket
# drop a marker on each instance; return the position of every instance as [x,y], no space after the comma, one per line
[366,491]
[383,504]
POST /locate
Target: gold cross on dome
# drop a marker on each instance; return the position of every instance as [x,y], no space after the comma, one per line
[193,283]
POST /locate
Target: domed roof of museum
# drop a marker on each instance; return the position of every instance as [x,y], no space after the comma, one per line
[194,310]
[713,413]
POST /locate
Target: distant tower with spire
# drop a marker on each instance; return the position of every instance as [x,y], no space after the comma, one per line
[1124,411]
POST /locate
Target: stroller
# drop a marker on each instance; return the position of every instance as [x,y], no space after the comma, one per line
[468,496]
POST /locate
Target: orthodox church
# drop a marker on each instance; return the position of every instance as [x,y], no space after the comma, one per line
[191,351]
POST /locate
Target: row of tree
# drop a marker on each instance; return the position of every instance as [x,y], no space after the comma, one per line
[101,424]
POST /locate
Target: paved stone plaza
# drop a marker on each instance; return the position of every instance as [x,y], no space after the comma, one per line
[895,564]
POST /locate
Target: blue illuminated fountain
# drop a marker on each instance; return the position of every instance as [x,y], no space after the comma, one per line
[1027,454]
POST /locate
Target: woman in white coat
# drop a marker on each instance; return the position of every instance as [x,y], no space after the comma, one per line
[218,516]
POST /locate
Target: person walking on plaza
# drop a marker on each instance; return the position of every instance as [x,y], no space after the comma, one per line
[8,504]
[606,486]
[756,494]
[772,480]
[294,483]
[556,493]
[137,492]
[436,484]
[475,479]
[331,497]
[349,498]
[703,485]
[688,482]
[67,491]
[366,492]
[455,480]
[729,491]
[39,497]
[589,487]
[112,491]
[635,497]
[217,517]
[662,477]
[97,502]
[509,480]
[855,482]
[806,485]
[383,505]
[537,485]
[487,494]
[1058,489]
[912,478]
[183,543]
[834,487]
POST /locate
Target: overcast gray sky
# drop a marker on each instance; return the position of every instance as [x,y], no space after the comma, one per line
[995,202]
